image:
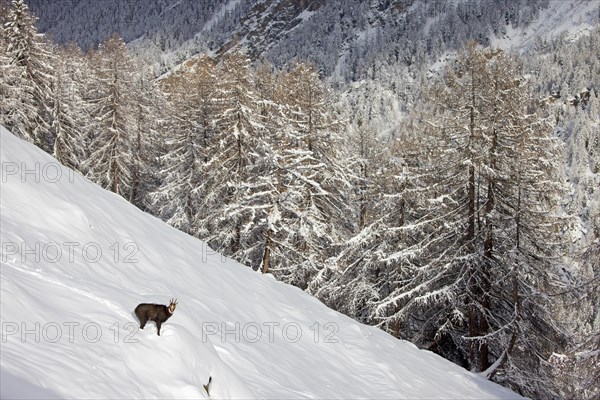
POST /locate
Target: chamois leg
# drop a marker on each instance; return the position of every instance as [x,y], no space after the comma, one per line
[140,316]
[158,324]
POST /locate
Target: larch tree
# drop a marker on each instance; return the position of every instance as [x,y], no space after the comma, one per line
[263,249]
[185,192]
[149,118]
[69,110]
[30,77]
[314,205]
[359,273]
[8,76]
[234,153]
[575,370]
[527,228]
[447,272]
[493,213]
[110,163]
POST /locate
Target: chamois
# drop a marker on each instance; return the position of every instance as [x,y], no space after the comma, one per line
[155,312]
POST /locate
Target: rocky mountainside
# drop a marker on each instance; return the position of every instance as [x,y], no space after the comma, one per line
[88,22]
[378,52]
[165,32]
[348,39]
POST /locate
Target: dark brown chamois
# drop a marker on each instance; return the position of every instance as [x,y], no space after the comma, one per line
[155,312]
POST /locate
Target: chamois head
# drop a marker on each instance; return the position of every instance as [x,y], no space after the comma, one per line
[172,305]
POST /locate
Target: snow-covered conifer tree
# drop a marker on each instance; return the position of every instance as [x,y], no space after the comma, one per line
[493,214]
[8,77]
[148,109]
[110,163]
[185,195]
[29,78]
[69,110]
[314,205]
[355,281]
[233,154]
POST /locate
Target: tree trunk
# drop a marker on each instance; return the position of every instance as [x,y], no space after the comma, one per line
[137,160]
[362,221]
[266,260]
[470,238]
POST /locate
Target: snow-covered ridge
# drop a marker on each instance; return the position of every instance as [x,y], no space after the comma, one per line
[573,18]
[214,20]
[77,259]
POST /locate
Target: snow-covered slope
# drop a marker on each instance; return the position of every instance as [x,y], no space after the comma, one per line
[75,262]
[573,18]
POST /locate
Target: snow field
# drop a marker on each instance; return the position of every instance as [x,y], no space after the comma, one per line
[75,262]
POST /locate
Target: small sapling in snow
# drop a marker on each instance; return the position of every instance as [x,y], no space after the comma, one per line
[207,386]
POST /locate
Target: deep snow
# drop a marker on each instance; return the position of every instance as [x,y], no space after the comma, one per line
[77,259]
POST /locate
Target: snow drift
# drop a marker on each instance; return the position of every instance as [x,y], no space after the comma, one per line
[77,259]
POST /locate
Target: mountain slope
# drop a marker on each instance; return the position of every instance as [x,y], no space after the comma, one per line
[68,330]
[349,40]
[88,22]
